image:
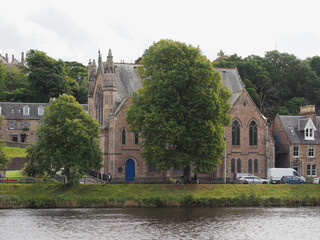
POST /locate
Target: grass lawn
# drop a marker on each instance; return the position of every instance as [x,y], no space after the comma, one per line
[14,152]
[14,174]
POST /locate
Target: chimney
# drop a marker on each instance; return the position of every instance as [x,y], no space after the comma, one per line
[7,60]
[22,58]
[310,112]
[12,58]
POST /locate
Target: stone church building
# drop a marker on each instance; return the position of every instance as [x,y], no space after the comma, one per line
[249,143]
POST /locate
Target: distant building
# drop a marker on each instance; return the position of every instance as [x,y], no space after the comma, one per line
[250,145]
[5,60]
[21,122]
[298,141]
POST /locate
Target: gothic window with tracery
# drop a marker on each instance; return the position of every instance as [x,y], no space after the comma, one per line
[253,133]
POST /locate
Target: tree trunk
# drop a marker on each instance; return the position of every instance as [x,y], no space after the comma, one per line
[186,174]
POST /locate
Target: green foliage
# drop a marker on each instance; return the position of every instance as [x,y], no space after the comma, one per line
[15,77]
[2,82]
[15,152]
[68,141]
[46,76]
[292,106]
[77,81]
[182,108]
[4,160]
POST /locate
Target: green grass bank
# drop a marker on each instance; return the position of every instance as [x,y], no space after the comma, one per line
[138,195]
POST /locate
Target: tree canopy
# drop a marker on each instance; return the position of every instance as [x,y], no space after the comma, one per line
[181,110]
[68,141]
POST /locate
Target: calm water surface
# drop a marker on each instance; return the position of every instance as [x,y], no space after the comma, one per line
[164,223]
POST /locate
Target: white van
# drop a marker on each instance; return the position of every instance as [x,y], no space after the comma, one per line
[274,175]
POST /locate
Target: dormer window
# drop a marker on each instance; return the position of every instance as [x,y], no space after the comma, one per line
[26,110]
[40,111]
[308,127]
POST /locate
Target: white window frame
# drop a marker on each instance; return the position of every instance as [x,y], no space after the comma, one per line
[11,124]
[0,110]
[40,111]
[25,124]
[311,147]
[26,110]
[311,170]
[296,151]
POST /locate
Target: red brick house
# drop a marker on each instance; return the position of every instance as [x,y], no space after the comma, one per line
[250,146]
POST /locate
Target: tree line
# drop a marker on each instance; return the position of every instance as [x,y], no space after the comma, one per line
[279,83]
[43,78]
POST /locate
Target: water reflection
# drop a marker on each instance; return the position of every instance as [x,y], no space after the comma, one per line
[162,223]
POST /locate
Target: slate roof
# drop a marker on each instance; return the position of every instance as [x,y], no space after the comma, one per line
[14,111]
[291,125]
[128,81]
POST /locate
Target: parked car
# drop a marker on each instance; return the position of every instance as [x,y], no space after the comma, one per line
[252,180]
[274,175]
[292,180]
[316,180]
[236,176]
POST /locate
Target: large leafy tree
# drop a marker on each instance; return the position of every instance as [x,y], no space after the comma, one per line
[68,141]
[181,110]
[4,160]
[46,76]
[77,75]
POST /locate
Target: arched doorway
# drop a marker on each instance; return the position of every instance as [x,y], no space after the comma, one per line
[130,170]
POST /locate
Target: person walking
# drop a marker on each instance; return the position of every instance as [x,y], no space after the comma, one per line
[109,178]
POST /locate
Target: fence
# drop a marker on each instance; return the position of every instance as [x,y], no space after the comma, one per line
[24,180]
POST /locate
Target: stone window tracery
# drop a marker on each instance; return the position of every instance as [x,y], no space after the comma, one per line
[253,133]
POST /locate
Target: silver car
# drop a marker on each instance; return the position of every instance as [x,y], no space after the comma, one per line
[252,180]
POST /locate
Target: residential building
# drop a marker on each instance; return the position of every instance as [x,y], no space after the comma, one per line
[298,141]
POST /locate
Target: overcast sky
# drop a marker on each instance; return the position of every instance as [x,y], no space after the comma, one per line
[75,29]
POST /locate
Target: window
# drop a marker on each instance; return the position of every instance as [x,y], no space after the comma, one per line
[25,124]
[256,166]
[233,165]
[0,110]
[23,138]
[136,138]
[310,133]
[235,133]
[311,151]
[253,133]
[296,151]
[153,168]
[40,111]
[123,137]
[250,166]
[26,110]
[11,125]
[40,122]
[314,170]
[14,138]
[239,165]
[311,170]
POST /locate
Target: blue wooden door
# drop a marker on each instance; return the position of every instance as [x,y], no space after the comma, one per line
[130,170]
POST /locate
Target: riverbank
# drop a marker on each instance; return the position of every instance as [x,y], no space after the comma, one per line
[154,195]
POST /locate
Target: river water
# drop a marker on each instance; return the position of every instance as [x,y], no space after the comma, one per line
[161,223]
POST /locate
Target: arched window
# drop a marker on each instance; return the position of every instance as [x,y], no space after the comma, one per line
[239,165]
[123,136]
[233,165]
[26,110]
[235,133]
[136,138]
[250,166]
[40,111]
[256,166]
[253,133]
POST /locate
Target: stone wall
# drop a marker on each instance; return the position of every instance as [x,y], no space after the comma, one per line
[16,163]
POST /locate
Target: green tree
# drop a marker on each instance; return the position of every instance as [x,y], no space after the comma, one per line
[15,77]
[68,141]
[46,76]
[2,82]
[181,110]
[77,80]
[4,160]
